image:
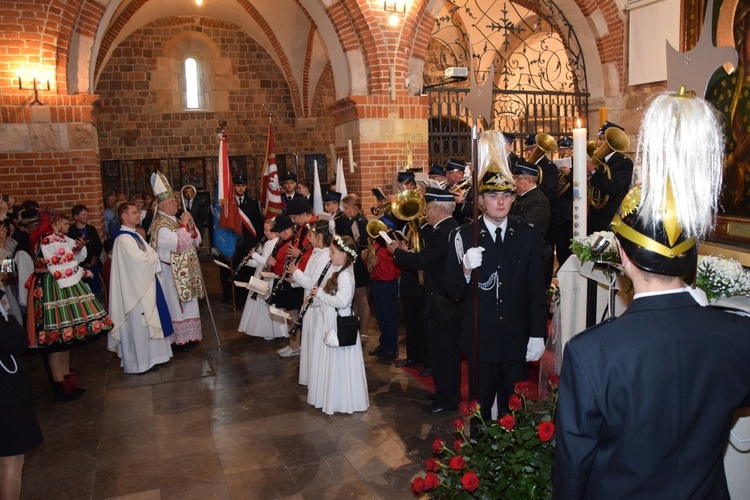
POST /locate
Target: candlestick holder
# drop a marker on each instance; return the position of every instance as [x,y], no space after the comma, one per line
[35,88]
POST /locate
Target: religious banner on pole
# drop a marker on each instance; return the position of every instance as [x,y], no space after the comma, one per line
[270,197]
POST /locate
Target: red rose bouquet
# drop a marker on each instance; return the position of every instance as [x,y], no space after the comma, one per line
[510,458]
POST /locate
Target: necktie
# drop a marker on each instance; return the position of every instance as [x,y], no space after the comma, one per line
[499,239]
[189,205]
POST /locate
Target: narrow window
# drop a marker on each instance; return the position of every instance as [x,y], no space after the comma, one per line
[191,83]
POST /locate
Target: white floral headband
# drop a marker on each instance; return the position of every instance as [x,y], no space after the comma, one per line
[342,246]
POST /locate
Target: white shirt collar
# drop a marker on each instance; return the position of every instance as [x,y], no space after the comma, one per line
[492,227]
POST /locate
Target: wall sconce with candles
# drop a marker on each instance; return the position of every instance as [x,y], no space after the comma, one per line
[395,6]
[35,88]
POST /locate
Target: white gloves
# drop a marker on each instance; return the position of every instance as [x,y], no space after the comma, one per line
[534,349]
[473,258]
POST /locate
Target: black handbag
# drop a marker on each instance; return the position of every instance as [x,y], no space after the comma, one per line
[347,329]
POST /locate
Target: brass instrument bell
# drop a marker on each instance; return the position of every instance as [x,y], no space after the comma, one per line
[545,143]
[614,140]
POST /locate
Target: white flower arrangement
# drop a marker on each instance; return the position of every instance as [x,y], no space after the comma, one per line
[719,277]
[582,247]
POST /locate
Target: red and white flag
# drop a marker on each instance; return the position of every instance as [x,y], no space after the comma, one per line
[270,197]
[230,217]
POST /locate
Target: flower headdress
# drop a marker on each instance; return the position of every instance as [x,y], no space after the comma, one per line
[342,246]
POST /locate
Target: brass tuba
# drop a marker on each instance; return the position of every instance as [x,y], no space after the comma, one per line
[615,140]
[545,143]
[373,231]
[409,205]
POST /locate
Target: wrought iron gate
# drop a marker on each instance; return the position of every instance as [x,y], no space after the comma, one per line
[540,76]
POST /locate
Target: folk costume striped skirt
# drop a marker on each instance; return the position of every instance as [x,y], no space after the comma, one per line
[63,317]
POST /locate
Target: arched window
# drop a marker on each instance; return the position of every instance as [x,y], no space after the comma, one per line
[192,84]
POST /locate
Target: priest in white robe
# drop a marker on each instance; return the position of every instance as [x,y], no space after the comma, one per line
[138,337]
[176,241]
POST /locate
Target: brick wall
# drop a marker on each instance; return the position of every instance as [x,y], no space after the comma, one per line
[131,128]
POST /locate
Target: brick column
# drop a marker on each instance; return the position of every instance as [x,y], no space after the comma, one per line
[379,130]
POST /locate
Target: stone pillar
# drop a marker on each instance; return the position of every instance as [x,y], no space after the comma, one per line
[379,130]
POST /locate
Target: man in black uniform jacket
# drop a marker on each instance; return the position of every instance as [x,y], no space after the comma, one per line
[443,314]
[454,176]
[615,185]
[532,206]
[511,294]
[547,171]
[289,190]
[646,400]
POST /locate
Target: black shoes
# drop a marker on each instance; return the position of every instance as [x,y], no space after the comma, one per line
[435,408]
[387,355]
[431,396]
[406,362]
[377,350]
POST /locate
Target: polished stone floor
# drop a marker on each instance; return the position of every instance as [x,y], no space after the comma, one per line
[225,421]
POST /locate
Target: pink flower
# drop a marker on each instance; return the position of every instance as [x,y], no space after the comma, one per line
[97,326]
[67,334]
[61,251]
[69,272]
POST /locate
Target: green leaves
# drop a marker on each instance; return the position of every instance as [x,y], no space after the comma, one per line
[510,464]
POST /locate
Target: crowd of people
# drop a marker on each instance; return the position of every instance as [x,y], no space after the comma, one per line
[296,275]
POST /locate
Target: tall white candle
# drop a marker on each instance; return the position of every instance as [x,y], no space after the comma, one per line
[580,192]
[351,157]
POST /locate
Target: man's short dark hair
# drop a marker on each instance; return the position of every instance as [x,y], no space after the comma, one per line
[123,207]
[77,209]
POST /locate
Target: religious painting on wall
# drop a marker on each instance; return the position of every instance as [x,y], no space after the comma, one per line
[142,170]
[111,170]
[730,92]
[310,160]
[193,171]
[238,165]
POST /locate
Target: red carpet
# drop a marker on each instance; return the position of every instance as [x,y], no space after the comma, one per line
[429,384]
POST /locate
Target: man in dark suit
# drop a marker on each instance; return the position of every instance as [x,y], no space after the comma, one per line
[511,294]
[455,177]
[547,170]
[646,400]
[532,206]
[443,314]
[613,181]
[289,189]
[560,230]
[250,208]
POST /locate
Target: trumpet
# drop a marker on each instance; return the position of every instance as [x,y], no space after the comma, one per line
[461,187]
[615,140]
[381,209]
